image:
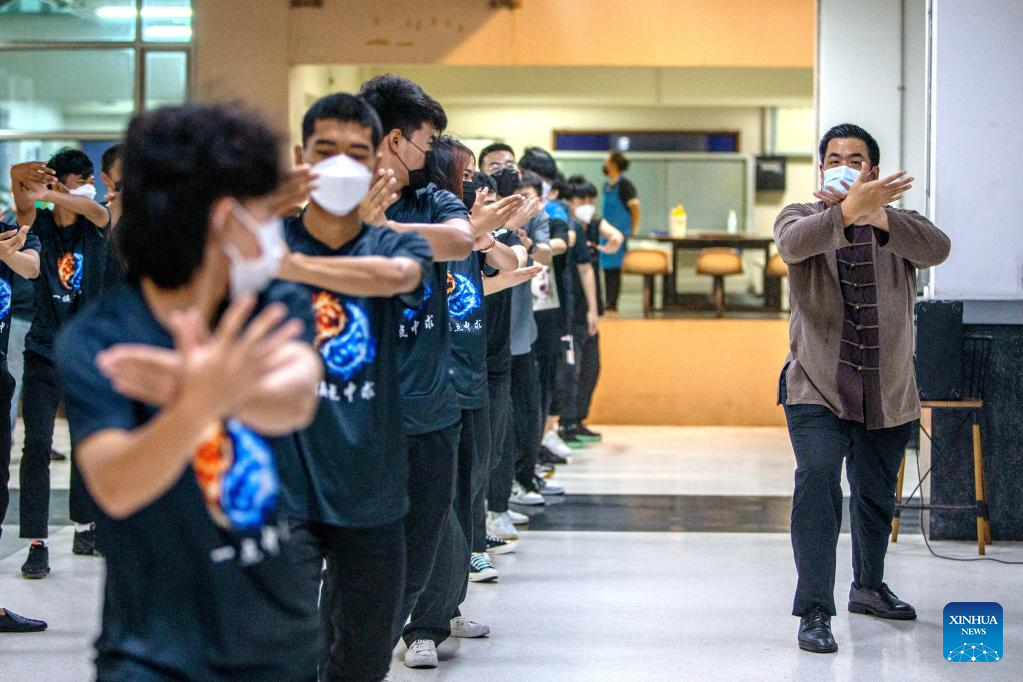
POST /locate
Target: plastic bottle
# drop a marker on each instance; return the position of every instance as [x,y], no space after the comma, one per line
[678,221]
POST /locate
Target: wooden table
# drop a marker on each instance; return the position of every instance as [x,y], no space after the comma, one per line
[772,285]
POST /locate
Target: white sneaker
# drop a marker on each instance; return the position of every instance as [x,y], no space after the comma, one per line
[547,486]
[500,526]
[516,518]
[529,498]
[422,654]
[500,545]
[481,569]
[468,629]
[552,441]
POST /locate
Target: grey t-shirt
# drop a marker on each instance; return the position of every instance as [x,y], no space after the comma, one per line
[523,325]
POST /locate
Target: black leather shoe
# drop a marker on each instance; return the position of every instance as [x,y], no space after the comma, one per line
[815,632]
[881,603]
[12,622]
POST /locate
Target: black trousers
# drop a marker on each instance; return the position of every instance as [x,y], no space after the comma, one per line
[502,459]
[524,430]
[431,489]
[361,591]
[6,391]
[580,380]
[448,583]
[821,441]
[550,367]
[40,397]
[613,283]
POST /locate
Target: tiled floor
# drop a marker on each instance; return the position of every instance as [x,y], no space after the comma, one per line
[597,605]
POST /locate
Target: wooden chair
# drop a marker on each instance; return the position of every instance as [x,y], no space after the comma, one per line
[719,262]
[649,263]
[977,351]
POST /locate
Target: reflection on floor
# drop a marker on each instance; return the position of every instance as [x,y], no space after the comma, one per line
[593,605]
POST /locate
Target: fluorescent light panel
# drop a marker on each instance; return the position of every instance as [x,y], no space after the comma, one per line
[119,12]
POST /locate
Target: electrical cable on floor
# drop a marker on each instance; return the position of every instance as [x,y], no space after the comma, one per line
[919,487]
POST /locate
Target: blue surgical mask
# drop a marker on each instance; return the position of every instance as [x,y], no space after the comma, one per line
[834,177]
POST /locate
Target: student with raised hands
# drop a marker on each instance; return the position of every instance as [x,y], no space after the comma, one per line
[173,381]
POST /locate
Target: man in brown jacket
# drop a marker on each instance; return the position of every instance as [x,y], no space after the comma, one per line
[848,386]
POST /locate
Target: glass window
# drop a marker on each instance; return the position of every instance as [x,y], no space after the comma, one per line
[167,21]
[166,78]
[82,20]
[54,90]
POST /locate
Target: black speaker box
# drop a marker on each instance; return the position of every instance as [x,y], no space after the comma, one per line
[939,349]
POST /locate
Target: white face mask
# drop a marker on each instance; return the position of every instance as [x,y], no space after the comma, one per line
[546,187]
[343,182]
[833,177]
[584,214]
[251,276]
[87,191]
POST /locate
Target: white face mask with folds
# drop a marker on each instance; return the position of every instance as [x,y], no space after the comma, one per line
[87,191]
[584,214]
[834,177]
[251,276]
[343,182]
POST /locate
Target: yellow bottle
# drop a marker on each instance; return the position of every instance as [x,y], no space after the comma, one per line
[678,221]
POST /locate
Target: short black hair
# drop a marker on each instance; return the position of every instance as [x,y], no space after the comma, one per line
[531,179]
[579,187]
[495,147]
[854,131]
[402,104]
[540,162]
[111,156]
[70,161]
[345,108]
[619,160]
[178,161]
[482,180]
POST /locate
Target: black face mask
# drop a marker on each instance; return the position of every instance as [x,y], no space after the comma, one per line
[506,179]
[469,194]
[418,178]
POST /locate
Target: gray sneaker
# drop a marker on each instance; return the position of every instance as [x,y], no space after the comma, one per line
[422,654]
[468,629]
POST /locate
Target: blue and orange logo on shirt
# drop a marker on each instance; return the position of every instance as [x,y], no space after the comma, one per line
[343,335]
[69,270]
[5,299]
[463,298]
[235,471]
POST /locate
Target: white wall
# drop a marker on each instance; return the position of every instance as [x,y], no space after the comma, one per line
[976,146]
[859,70]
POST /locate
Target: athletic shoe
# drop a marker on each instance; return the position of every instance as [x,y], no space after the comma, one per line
[552,441]
[569,437]
[546,487]
[550,458]
[585,435]
[422,654]
[497,545]
[500,526]
[85,543]
[481,570]
[527,498]
[544,470]
[56,456]
[516,518]
[38,563]
[468,629]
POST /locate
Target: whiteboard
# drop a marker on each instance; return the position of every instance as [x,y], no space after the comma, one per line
[709,185]
[976,191]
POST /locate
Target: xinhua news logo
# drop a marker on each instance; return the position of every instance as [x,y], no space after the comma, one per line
[973,632]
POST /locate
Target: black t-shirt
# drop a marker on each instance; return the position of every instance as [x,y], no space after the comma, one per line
[498,315]
[72,267]
[592,240]
[349,468]
[467,324]
[113,275]
[552,323]
[198,582]
[428,394]
[585,252]
[8,280]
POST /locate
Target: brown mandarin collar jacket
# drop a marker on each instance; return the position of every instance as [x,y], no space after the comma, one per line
[808,236]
